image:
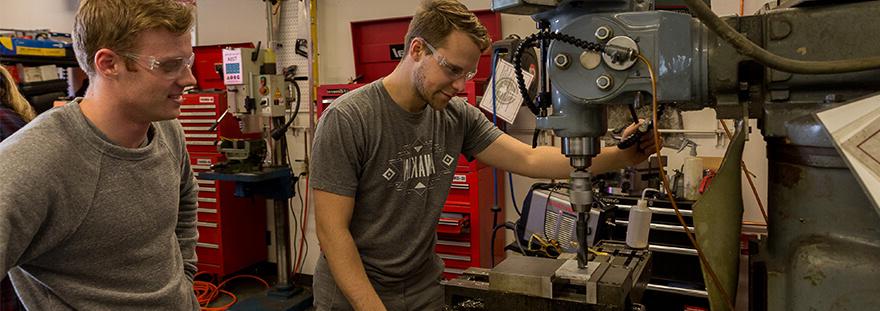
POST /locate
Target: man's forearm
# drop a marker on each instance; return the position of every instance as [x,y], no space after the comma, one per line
[349,274]
[609,159]
[557,166]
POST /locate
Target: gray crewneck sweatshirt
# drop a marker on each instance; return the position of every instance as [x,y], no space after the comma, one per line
[86,224]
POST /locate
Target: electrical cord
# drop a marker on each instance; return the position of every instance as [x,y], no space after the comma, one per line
[665,180]
[495,208]
[492,242]
[513,194]
[749,48]
[303,252]
[206,292]
[304,208]
[279,132]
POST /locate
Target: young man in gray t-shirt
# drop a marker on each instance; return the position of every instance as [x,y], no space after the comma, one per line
[383,164]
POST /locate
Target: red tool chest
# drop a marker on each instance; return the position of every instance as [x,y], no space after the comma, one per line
[329,92]
[231,229]
[467,243]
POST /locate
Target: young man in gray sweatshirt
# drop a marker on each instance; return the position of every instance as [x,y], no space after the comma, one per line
[97,198]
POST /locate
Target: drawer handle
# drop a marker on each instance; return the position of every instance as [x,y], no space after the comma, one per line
[461,187]
[198,114]
[191,135]
[453,243]
[207,210]
[201,167]
[196,128]
[206,224]
[678,290]
[660,227]
[208,200]
[207,189]
[453,270]
[660,210]
[455,257]
[187,107]
[207,245]
[197,121]
[200,143]
[672,250]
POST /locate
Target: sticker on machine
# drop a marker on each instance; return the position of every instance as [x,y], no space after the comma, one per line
[232,67]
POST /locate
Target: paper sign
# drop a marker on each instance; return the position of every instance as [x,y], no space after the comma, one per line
[864,145]
[507,95]
[855,129]
[232,67]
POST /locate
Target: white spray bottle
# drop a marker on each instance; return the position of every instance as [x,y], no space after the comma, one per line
[692,172]
[639,223]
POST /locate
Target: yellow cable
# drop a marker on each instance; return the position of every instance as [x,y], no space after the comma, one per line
[597,253]
[687,231]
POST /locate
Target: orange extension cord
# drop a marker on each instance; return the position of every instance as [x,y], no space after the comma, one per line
[206,292]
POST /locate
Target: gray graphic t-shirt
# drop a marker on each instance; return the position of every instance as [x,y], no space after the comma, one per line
[398,167]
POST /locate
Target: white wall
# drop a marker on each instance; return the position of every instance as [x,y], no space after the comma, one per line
[55,15]
[336,58]
[219,21]
[231,21]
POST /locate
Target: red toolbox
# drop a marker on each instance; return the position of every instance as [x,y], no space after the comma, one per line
[198,112]
[231,229]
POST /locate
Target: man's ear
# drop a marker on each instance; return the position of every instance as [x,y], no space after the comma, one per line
[416,46]
[108,63]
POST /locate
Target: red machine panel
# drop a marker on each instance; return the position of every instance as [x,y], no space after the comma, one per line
[204,66]
[329,92]
[378,44]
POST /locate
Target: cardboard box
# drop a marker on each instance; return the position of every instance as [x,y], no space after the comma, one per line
[31,74]
[30,47]
[49,72]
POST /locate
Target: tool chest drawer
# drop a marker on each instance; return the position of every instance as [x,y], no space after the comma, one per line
[464,229]
[231,229]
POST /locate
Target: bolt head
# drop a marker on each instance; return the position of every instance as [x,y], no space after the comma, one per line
[603,33]
[604,82]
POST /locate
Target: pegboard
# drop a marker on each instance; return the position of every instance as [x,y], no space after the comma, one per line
[290,29]
[289,32]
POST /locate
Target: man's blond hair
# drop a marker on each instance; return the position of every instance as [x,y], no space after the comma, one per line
[12,98]
[436,19]
[117,24]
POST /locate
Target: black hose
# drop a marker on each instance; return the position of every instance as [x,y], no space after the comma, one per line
[279,131]
[529,42]
[492,245]
[749,48]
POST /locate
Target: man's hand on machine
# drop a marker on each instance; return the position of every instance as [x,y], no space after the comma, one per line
[639,152]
